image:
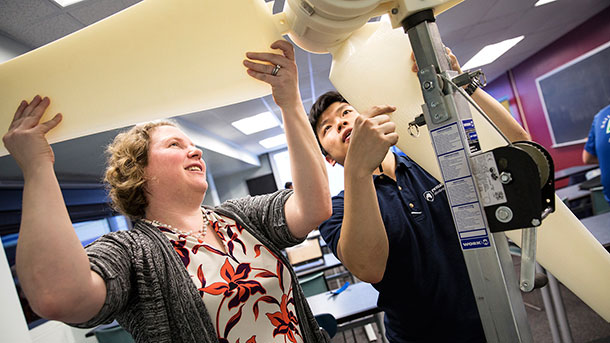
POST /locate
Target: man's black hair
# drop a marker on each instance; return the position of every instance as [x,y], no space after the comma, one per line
[323,102]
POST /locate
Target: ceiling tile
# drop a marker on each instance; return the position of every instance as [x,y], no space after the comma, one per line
[505,8]
[462,15]
[545,17]
[31,11]
[455,38]
[305,85]
[129,3]
[96,11]
[323,85]
[50,29]
[15,16]
[498,25]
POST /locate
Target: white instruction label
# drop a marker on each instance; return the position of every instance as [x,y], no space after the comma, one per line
[461,191]
[468,217]
[454,165]
[486,174]
[446,139]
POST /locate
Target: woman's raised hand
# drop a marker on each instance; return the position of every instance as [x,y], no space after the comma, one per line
[25,139]
[278,70]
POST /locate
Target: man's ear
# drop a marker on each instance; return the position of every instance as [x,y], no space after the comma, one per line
[330,160]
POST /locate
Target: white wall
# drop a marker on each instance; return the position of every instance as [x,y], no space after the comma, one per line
[13,327]
[211,196]
[10,48]
[234,185]
[280,163]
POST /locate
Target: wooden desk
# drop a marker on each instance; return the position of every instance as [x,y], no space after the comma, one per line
[330,262]
[567,172]
[357,301]
[599,226]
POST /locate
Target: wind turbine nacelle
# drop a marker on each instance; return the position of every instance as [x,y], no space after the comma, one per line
[318,25]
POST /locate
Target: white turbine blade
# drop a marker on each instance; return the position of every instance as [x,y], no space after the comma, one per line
[373,67]
[156,59]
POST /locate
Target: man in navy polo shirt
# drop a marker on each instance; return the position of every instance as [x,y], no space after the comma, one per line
[392,225]
[597,148]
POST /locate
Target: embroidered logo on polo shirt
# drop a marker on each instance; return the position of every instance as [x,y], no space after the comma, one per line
[429,195]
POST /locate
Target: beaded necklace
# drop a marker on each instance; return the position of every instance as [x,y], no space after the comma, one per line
[200,234]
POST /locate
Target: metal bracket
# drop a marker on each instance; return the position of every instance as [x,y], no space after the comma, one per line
[432,89]
[468,77]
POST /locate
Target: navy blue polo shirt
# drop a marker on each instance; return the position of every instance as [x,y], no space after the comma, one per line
[425,292]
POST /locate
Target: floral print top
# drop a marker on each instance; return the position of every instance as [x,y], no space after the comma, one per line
[246,289]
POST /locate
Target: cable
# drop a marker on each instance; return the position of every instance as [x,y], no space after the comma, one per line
[469,99]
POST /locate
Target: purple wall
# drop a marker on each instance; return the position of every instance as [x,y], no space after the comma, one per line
[586,37]
[501,90]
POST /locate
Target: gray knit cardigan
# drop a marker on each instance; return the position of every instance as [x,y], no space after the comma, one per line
[150,293]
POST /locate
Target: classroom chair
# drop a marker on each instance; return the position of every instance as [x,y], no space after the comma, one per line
[598,202]
[328,323]
[314,284]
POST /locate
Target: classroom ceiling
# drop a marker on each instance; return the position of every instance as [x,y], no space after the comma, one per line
[466,29]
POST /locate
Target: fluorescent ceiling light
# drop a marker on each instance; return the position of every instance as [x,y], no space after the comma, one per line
[259,122]
[543,2]
[491,52]
[274,141]
[66,3]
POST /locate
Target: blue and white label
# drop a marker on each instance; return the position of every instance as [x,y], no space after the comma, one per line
[473,243]
[459,184]
[471,135]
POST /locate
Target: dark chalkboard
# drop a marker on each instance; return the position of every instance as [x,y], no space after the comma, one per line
[573,93]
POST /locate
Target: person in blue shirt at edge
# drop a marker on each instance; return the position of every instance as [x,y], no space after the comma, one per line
[387,233]
[597,148]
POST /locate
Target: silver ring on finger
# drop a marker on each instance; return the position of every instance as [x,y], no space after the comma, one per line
[276,69]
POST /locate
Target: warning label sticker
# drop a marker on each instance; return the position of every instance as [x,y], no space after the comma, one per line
[461,191]
[471,226]
[454,165]
[487,177]
[468,217]
[446,139]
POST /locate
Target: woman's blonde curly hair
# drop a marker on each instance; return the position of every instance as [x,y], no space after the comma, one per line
[127,157]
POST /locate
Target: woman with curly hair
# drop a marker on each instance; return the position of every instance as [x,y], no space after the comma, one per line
[184,273]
